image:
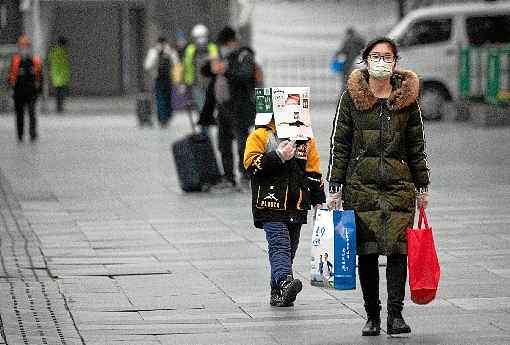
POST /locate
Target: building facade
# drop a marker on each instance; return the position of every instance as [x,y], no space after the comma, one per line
[108,39]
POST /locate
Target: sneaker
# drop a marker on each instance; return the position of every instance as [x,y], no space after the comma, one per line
[276,299]
[397,325]
[289,288]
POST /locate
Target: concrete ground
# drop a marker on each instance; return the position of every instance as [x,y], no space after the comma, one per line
[99,246]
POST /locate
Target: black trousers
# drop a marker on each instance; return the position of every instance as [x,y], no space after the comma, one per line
[20,103]
[228,130]
[396,275]
[60,93]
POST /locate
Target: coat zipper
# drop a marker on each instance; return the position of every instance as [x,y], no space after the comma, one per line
[380,172]
[380,145]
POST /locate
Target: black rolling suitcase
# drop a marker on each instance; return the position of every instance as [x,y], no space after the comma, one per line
[197,168]
[144,109]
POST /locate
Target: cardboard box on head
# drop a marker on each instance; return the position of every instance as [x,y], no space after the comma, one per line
[290,108]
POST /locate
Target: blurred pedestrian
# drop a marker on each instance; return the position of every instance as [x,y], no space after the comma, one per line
[378,167]
[235,100]
[286,181]
[25,78]
[60,69]
[161,62]
[180,42]
[352,45]
[196,55]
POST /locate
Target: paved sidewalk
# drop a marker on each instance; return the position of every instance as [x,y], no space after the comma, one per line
[126,258]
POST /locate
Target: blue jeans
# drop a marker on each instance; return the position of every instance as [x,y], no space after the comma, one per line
[282,240]
[164,102]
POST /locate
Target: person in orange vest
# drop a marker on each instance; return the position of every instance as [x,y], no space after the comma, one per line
[25,78]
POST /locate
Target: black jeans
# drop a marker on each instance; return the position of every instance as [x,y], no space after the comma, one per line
[60,93]
[228,130]
[163,101]
[19,107]
[396,275]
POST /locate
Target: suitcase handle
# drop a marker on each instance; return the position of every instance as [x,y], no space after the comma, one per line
[190,106]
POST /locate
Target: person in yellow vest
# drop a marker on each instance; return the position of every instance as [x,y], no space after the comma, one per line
[25,78]
[196,55]
[60,71]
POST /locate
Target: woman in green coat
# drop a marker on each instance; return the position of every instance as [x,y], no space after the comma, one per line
[378,168]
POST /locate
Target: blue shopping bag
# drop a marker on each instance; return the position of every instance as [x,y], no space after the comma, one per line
[333,261]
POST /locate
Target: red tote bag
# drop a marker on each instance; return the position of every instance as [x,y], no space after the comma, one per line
[424,270]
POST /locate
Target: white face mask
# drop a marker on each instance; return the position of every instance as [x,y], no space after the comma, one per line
[380,70]
[201,40]
[225,51]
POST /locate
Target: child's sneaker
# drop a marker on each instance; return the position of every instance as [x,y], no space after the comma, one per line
[276,297]
[289,288]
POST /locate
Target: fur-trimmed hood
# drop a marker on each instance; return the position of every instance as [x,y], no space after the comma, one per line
[406,88]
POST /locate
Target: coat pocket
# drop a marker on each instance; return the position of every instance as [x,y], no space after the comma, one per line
[272,197]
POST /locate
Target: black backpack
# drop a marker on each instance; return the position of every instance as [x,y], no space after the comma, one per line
[164,67]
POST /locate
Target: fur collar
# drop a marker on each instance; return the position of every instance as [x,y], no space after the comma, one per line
[406,87]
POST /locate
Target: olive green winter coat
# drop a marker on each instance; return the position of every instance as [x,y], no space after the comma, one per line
[378,155]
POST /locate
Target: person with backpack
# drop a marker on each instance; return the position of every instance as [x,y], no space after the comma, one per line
[197,54]
[161,61]
[233,75]
[25,78]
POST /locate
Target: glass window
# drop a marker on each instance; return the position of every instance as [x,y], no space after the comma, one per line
[488,29]
[427,31]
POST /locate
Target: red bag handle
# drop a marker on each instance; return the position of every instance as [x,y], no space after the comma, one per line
[422,218]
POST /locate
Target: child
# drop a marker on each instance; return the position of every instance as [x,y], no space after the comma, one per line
[285,181]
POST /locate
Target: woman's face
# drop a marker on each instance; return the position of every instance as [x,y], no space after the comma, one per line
[381,57]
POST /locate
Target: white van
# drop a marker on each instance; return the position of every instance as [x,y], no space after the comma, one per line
[429,40]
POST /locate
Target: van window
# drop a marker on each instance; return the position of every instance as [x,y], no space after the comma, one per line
[427,31]
[488,29]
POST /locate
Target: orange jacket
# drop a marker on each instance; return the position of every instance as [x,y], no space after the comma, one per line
[15,64]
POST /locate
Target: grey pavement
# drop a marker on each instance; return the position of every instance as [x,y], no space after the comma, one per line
[99,246]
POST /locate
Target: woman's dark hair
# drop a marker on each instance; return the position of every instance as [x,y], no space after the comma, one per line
[374,42]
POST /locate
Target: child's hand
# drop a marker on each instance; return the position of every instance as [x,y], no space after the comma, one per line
[286,150]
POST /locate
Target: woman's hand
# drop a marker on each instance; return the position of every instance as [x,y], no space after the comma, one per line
[422,200]
[334,201]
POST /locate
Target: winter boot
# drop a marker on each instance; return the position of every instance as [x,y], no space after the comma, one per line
[397,325]
[373,325]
